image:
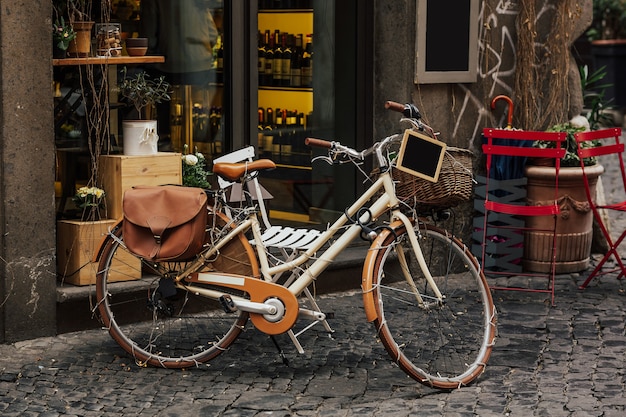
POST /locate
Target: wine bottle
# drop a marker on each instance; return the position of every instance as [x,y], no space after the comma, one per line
[268,131]
[261,118]
[278,60]
[307,62]
[285,79]
[269,59]
[278,124]
[269,118]
[296,62]
[261,58]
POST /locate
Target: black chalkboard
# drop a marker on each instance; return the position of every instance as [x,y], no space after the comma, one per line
[421,155]
[446,41]
[448,35]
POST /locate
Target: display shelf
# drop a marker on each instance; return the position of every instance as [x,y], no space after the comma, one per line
[109,60]
[285,11]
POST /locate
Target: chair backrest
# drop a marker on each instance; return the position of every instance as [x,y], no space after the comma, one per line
[598,143]
[244,155]
[519,144]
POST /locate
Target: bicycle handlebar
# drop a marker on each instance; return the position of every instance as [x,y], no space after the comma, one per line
[318,143]
[409,111]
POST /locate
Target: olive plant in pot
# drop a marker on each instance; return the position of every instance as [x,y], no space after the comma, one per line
[575,221]
[143,93]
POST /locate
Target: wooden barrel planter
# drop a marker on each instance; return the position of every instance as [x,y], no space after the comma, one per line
[574,224]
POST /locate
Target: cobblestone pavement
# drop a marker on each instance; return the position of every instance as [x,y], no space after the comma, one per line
[567,360]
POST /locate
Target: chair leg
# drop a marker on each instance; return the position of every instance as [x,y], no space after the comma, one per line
[612,252]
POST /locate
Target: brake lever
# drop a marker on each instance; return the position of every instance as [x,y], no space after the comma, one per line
[324,158]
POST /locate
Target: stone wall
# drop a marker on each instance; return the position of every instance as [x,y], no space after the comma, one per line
[27,229]
[461,111]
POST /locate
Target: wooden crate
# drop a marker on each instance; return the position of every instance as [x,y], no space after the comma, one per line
[76,243]
[118,173]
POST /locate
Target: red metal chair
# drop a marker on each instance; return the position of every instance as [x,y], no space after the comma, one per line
[514,147]
[605,144]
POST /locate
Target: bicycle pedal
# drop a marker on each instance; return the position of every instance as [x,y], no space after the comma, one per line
[227,304]
[330,315]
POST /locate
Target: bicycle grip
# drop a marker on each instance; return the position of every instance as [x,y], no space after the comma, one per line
[392,105]
[320,143]
[407,110]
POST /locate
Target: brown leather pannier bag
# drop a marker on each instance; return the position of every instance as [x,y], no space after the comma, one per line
[164,223]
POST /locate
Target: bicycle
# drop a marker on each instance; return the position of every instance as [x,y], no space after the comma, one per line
[422,288]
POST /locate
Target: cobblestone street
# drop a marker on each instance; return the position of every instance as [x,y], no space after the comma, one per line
[566,360]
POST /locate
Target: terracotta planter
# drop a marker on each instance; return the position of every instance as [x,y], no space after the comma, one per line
[80,47]
[574,225]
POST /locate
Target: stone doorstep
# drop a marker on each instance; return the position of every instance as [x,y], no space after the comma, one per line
[74,303]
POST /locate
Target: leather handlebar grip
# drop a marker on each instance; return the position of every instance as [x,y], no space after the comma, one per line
[320,143]
[392,105]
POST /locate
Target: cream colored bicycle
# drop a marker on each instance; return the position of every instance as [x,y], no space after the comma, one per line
[422,288]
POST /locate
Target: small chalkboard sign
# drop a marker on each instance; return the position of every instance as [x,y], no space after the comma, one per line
[421,155]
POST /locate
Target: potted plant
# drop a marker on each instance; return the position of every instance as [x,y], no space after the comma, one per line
[575,221]
[77,239]
[143,93]
[79,12]
[62,35]
[608,44]
[194,169]
[90,200]
[596,106]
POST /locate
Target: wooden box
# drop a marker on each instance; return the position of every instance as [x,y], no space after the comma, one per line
[76,243]
[118,173]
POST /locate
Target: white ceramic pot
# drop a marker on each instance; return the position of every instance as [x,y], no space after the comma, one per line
[140,137]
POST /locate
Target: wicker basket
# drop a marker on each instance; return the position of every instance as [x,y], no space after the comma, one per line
[455,183]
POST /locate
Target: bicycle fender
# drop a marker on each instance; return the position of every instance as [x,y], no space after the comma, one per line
[260,291]
[98,253]
[367,285]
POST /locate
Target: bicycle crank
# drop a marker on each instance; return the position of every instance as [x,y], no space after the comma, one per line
[273,309]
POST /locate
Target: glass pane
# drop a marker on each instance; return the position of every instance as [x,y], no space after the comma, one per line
[286,108]
[189,33]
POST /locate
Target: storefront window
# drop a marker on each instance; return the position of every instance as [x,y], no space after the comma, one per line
[285,97]
[190,35]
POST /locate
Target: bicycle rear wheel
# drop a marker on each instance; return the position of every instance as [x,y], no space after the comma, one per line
[158,323]
[444,345]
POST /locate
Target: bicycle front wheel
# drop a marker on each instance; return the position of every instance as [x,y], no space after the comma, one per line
[444,344]
[158,323]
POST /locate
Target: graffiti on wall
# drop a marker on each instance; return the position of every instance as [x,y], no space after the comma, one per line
[496,70]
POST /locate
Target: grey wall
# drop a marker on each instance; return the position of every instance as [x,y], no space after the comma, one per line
[459,111]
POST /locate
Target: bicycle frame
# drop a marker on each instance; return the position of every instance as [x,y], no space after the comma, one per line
[385,202]
[440,335]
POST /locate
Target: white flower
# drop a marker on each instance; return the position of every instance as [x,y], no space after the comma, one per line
[580,121]
[190,159]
